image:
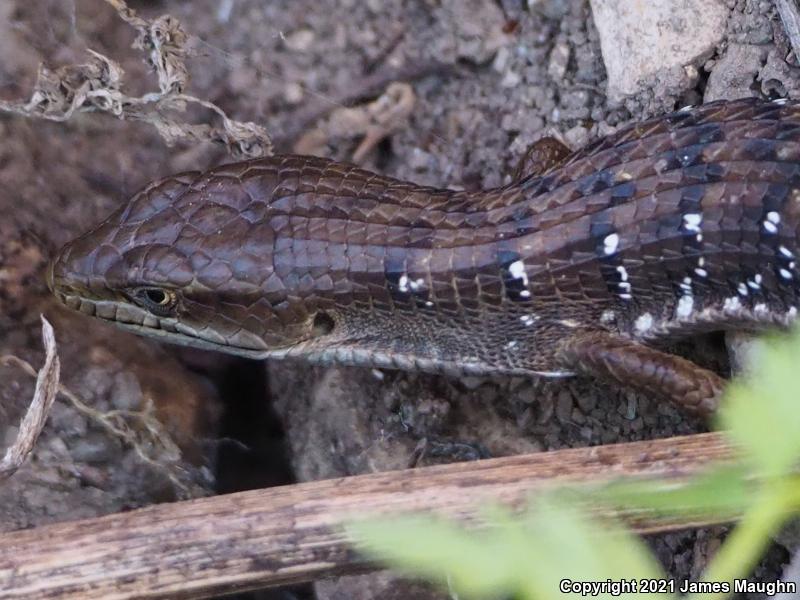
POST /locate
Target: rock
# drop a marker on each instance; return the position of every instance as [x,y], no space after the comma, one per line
[552,9]
[126,393]
[587,402]
[300,40]
[779,77]
[735,73]
[744,351]
[294,93]
[478,28]
[576,136]
[501,59]
[387,586]
[564,405]
[95,448]
[559,59]
[677,34]
[546,406]
[510,80]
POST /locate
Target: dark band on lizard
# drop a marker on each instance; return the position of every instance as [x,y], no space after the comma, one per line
[587,264]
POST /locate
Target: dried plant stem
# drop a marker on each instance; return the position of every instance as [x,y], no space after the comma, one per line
[43,397]
[209,546]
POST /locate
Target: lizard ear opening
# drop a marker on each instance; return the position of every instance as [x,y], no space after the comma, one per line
[323,324]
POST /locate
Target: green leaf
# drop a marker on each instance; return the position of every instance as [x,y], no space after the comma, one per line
[529,556]
[565,543]
[762,411]
[721,492]
[438,550]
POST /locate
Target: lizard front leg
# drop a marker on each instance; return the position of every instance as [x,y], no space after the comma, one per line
[631,364]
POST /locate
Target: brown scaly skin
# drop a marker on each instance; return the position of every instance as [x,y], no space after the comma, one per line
[615,358]
[677,225]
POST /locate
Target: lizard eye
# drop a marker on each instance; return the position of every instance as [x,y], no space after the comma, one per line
[158,301]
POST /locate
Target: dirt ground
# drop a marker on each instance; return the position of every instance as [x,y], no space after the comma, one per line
[489,77]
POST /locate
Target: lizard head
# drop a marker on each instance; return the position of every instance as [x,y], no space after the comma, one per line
[190,260]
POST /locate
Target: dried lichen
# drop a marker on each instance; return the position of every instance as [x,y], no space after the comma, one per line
[97,86]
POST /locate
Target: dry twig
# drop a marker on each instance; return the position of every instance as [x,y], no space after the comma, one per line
[43,398]
[374,121]
[367,86]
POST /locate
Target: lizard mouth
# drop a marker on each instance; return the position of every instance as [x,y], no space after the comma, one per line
[140,321]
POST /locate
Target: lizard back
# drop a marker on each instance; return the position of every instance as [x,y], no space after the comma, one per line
[678,224]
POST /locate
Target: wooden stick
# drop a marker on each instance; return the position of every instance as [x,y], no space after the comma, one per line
[250,540]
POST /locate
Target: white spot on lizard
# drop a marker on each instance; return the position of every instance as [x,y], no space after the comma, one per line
[405,284]
[692,221]
[771,222]
[644,323]
[608,316]
[416,284]
[517,270]
[685,306]
[611,243]
[732,304]
[402,283]
[755,283]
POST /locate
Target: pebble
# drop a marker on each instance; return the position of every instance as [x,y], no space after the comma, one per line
[546,408]
[293,92]
[93,448]
[299,40]
[501,59]
[564,406]
[559,59]
[586,402]
[126,393]
[510,80]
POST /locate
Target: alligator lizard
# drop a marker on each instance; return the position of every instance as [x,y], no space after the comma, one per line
[586,265]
